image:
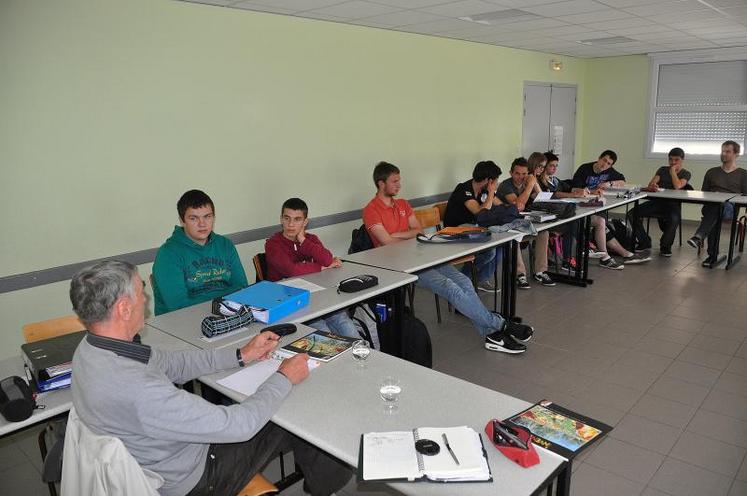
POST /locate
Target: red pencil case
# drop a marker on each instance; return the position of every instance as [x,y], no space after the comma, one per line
[524,457]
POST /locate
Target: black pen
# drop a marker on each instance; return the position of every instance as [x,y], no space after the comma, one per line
[448,447]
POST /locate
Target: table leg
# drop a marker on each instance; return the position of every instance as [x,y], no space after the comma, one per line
[731,260]
[581,273]
[514,247]
[719,258]
[564,481]
[506,285]
[633,221]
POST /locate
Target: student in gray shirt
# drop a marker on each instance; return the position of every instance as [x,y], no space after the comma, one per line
[726,179]
[125,389]
[667,212]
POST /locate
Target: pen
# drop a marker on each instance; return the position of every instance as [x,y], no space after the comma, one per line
[451,452]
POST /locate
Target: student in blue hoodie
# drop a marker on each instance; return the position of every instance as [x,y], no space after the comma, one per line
[195,264]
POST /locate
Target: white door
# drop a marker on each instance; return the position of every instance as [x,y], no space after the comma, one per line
[550,123]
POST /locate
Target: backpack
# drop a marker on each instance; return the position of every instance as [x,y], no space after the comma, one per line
[416,345]
[622,232]
[366,323]
[360,240]
[562,210]
[497,215]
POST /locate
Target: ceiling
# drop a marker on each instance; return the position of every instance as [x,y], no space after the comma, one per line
[579,28]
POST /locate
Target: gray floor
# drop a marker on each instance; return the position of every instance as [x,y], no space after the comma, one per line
[659,351]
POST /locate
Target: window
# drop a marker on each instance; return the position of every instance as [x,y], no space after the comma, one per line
[697,102]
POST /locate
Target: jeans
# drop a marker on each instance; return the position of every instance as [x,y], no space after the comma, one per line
[457,289]
[668,215]
[485,263]
[338,323]
[708,227]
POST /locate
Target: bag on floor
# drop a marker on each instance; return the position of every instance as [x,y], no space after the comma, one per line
[416,344]
[622,232]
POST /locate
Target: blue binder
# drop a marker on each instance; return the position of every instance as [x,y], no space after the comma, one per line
[271,301]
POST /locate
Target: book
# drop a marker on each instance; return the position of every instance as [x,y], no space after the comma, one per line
[394,455]
[50,361]
[270,301]
[560,430]
[321,345]
[247,380]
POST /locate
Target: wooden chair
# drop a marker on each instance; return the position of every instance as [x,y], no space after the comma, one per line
[431,217]
[258,486]
[260,266]
[46,329]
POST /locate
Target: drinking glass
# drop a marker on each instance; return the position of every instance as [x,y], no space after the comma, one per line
[389,390]
[361,350]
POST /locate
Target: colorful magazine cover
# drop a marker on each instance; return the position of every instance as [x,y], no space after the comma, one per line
[321,345]
[560,430]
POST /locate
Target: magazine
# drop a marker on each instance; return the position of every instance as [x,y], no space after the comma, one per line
[321,345]
[560,430]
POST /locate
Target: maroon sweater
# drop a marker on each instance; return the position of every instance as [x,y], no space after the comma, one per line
[286,258]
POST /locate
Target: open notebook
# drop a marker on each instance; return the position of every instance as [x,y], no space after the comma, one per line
[392,455]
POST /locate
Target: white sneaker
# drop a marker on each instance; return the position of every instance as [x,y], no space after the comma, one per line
[596,254]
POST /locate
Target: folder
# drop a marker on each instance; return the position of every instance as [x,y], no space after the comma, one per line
[50,360]
[270,301]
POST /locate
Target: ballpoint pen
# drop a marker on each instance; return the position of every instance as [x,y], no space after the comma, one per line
[448,447]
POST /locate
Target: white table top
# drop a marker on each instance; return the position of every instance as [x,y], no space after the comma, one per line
[412,256]
[739,200]
[340,401]
[185,323]
[56,402]
[692,196]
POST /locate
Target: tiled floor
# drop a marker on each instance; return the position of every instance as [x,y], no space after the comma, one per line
[659,351]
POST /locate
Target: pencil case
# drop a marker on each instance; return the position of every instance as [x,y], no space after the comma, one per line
[524,457]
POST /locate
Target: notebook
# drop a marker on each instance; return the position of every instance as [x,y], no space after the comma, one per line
[393,455]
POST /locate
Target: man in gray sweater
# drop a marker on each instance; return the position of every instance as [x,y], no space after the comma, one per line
[725,179]
[126,389]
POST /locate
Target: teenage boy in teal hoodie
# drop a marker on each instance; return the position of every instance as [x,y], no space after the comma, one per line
[195,264]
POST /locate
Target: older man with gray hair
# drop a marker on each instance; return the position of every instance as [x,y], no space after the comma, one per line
[126,389]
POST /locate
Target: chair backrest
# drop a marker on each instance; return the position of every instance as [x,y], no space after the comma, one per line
[428,217]
[260,266]
[100,464]
[441,209]
[51,328]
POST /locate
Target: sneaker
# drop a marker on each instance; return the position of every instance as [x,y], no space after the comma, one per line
[637,258]
[709,262]
[569,265]
[665,252]
[501,341]
[695,242]
[544,279]
[596,254]
[611,263]
[488,287]
[520,332]
[522,282]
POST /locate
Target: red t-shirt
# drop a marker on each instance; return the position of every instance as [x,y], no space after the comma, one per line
[394,219]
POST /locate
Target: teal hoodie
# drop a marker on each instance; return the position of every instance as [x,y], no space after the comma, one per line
[186,273]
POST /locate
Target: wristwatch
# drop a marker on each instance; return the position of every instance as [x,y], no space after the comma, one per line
[239,358]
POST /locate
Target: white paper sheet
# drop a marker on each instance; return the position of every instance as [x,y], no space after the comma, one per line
[302,284]
[247,380]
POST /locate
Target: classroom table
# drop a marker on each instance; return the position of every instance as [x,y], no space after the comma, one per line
[738,202]
[185,323]
[339,401]
[411,256]
[701,197]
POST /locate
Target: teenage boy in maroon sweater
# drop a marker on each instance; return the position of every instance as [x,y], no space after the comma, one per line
[294,252]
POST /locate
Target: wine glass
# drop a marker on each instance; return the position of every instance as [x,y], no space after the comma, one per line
[389,390]
[361,350]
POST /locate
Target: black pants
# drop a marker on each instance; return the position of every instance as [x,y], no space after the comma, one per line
[666,212]
[708,227]
[229,467]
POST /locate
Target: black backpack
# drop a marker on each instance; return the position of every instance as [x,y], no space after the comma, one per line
[360,240]
[622,232]
[416,346]
[562,210]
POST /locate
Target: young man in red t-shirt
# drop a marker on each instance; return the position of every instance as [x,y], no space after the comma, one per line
[389,220]
[294,252]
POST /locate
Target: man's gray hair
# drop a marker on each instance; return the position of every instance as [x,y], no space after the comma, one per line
[95,289]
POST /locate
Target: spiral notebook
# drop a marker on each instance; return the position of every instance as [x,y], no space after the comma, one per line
[392,455]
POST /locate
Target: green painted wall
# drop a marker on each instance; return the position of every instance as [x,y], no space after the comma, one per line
[110,110]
